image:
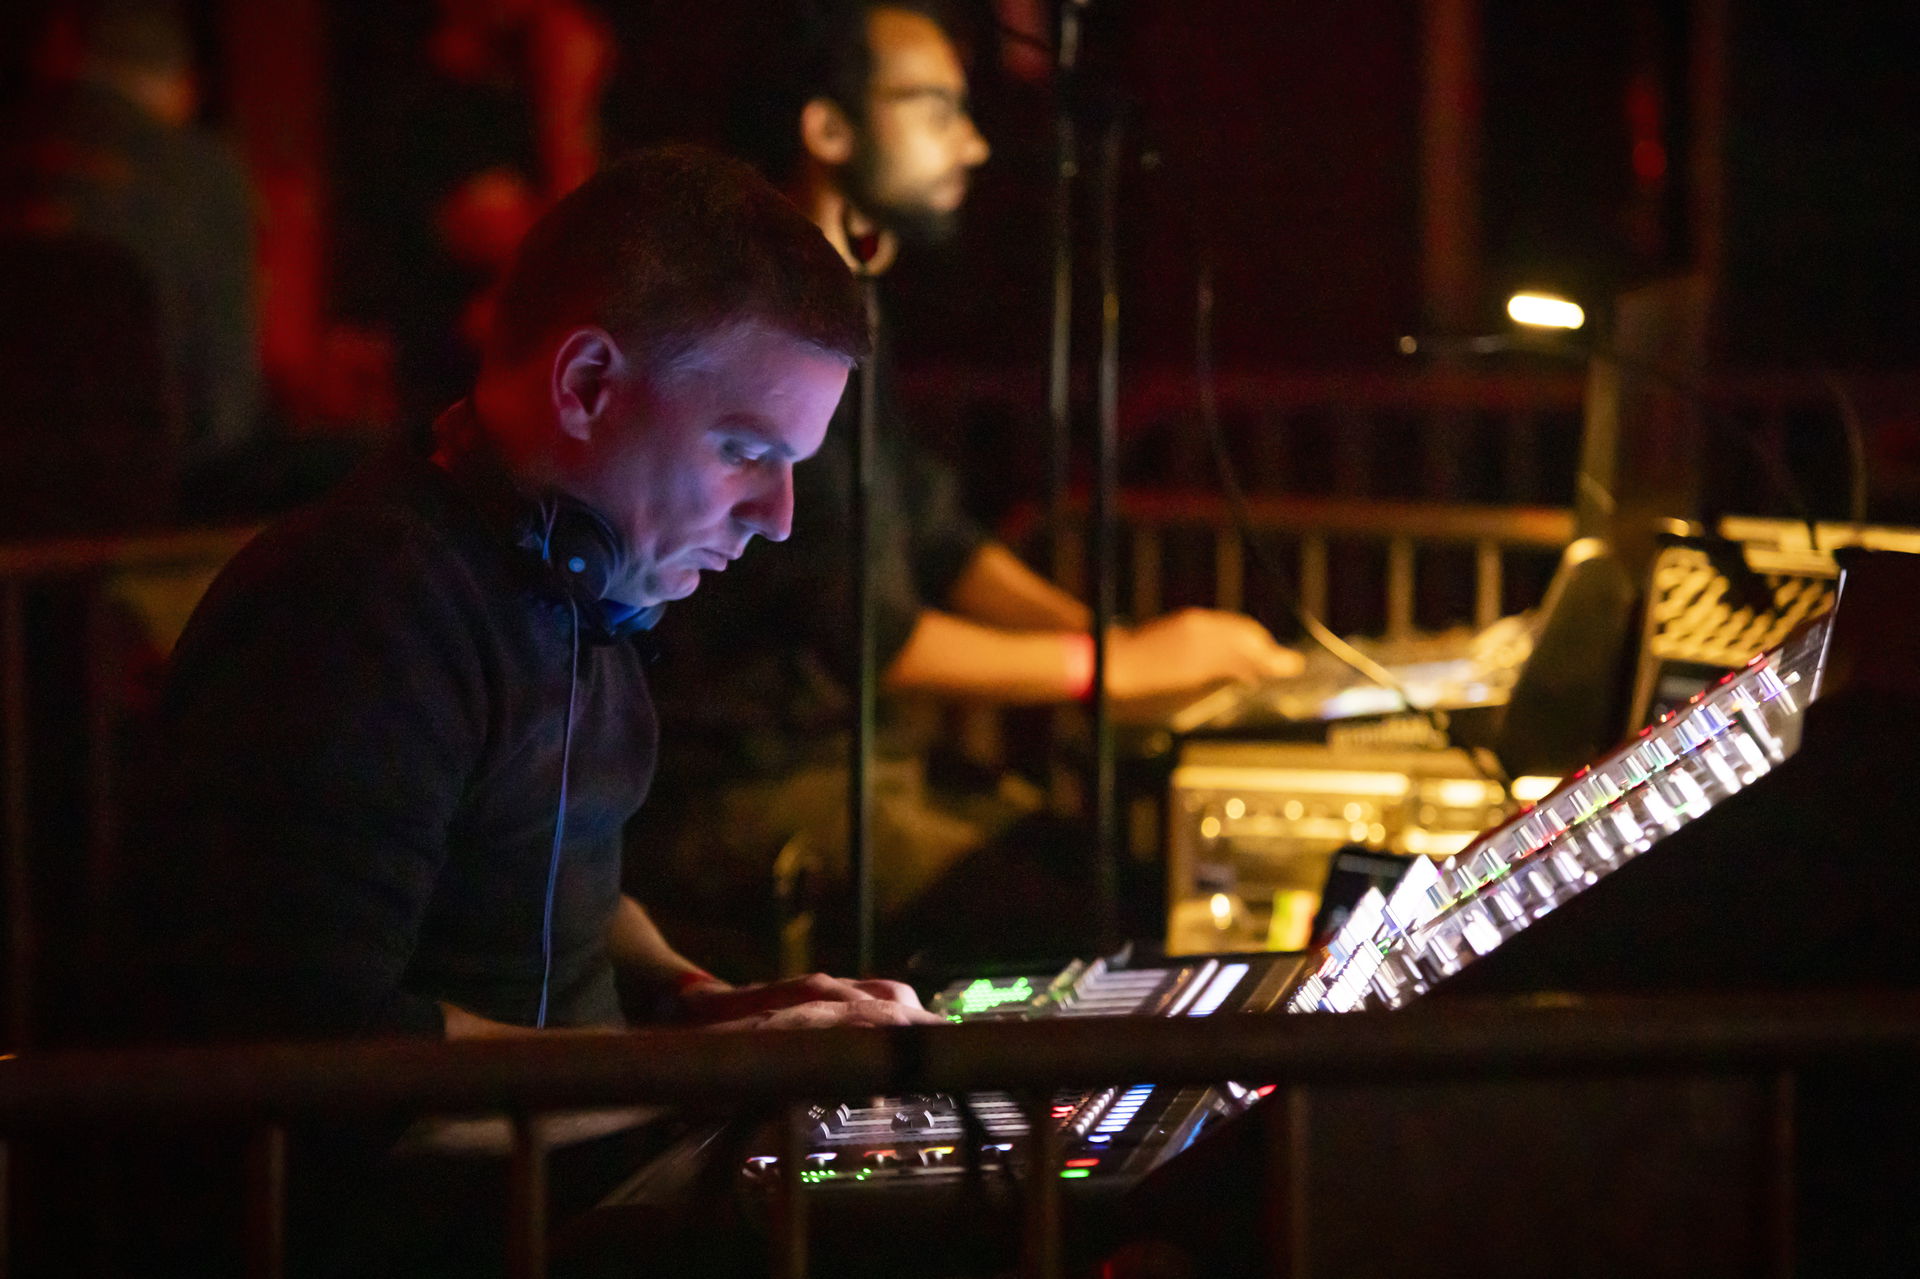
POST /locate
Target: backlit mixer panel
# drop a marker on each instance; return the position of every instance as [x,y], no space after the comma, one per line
[1438,920]
[1124,1128]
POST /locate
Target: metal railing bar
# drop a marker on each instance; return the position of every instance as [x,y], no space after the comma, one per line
[24,561]
[1042,1254]
[1783,1179]
[1399,587]
[1539,527]
[790,1199]
[19,875]
[1146,571]
[266,1181]
[527,1200]
[1489,586]
[102,756]
[1313,574]
[1442,1039]
[1229,570]
[1284,1127]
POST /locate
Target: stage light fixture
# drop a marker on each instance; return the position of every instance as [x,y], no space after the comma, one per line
[1545,311]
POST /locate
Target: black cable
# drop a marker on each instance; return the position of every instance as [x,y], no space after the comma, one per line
[1106,481]
[1856,437]
[1366,667]
[866,678]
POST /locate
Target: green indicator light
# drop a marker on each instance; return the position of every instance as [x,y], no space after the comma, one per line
[1074,1174]
[983,996]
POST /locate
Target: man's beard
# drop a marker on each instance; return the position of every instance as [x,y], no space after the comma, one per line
[917,223]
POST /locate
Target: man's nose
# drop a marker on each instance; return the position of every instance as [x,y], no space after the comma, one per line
[973,147]
[770,513]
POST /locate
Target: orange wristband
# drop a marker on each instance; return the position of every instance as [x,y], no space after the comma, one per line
[1077,652]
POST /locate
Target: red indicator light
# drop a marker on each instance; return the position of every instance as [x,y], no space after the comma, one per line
[883,1154]
[1584,770]
[1083,1163]
[1264,1090]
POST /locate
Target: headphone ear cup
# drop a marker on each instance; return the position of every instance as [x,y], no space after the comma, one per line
[584,552]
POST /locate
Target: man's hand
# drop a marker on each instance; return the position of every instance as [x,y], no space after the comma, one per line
[814,1000]
[1192,649]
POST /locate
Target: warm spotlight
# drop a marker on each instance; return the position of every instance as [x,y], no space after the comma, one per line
[1544,311]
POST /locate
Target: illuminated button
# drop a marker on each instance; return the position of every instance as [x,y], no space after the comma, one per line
[1544,888]
[883,1158]
[1442,952]
[821,1158]
[936,1156]
[762,1165]
[1479,930]
[1236,808]
[1566,865]
[1658,808]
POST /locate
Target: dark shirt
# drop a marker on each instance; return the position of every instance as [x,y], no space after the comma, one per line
[757,668]
[365,721]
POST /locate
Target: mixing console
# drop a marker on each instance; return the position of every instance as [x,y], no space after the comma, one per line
[1123,1128]
[1744,843]
[1439,920]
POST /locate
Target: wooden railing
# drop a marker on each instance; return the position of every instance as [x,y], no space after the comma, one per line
[1691,1041]
[1404,532]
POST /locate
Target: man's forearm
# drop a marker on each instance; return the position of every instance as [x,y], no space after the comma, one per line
[998,590]
[637,948]
[955,656]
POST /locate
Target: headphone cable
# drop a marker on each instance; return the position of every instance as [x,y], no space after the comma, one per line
[560,811]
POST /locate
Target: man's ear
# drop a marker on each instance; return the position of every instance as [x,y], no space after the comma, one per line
[825,132]
[584,366]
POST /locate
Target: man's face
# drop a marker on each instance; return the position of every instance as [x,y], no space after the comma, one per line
[913,153]
[690,463]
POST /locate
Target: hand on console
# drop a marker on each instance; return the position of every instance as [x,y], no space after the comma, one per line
[798,1002]
[1192,649]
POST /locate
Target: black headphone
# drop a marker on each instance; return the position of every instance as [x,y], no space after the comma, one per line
[576,554]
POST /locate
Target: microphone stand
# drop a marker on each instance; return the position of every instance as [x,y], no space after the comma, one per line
[1072,98]
[1106,826]
[1060,353]
[866,680]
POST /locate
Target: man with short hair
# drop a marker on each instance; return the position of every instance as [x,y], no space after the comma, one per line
[406,727]
[865,124]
